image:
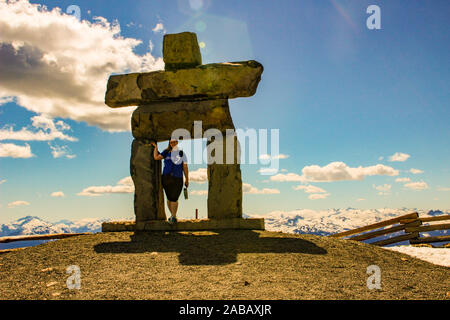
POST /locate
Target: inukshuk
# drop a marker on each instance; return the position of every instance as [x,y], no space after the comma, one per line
[186,91]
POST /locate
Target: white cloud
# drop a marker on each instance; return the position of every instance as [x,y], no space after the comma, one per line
[383,189]
[58,66]
[159,27]
[61,151]
[399,157]
[150,45]
[127,181]
[334,171]
[339,171]
[200,175]
[48,131]
[248,188]
[3,181]
[18,203]
[417,185]
[415,171]
[286,177]
[361,199]
[57,194]
[267,171]
[402,180]
[10,150]
[199,192]
[310,189]
[316,193]
[125,185]
[439,188]
[318,196]
[278,156]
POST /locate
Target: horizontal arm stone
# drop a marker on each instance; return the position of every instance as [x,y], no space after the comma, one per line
[210,81]
[158,120]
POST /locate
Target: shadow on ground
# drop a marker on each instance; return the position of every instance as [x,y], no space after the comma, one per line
[209,248]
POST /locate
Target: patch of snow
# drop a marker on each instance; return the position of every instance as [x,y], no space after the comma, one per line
[439,256]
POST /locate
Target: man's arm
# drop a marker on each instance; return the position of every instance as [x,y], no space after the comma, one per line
[156,154]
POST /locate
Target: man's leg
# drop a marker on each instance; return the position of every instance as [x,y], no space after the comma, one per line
[173,207]
[169,205]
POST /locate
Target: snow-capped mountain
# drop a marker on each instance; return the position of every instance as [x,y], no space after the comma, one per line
[327,222]
[83,225]
[34,225]
[29,225]
[318,222]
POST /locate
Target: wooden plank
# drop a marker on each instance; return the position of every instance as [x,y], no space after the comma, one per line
[377,225]
[41,237]
[401,238]
[437,218]
[406,221]
[432,227]
[378,233]
[374,234]
[429,239]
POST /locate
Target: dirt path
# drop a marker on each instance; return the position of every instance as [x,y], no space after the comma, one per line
[206,265]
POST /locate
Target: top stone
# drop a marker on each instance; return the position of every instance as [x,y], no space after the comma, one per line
[185,78]
[181,51]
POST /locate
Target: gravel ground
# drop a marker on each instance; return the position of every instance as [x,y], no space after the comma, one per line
[233,264]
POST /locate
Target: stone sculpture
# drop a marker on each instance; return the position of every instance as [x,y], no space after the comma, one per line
[186,91]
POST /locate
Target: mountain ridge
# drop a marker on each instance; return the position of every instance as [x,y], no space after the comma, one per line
[299,221]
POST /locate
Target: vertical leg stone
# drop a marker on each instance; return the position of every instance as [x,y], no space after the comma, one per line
[146,175]
[225,186]
[224,191]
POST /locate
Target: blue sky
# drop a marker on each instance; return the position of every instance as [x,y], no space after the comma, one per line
[337,91]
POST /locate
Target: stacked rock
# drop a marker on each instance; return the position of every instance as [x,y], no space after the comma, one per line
[185,92]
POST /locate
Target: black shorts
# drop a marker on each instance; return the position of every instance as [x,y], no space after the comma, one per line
[172,187]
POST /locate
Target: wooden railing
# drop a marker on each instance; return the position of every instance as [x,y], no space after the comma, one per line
[37,237]
[411,224]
